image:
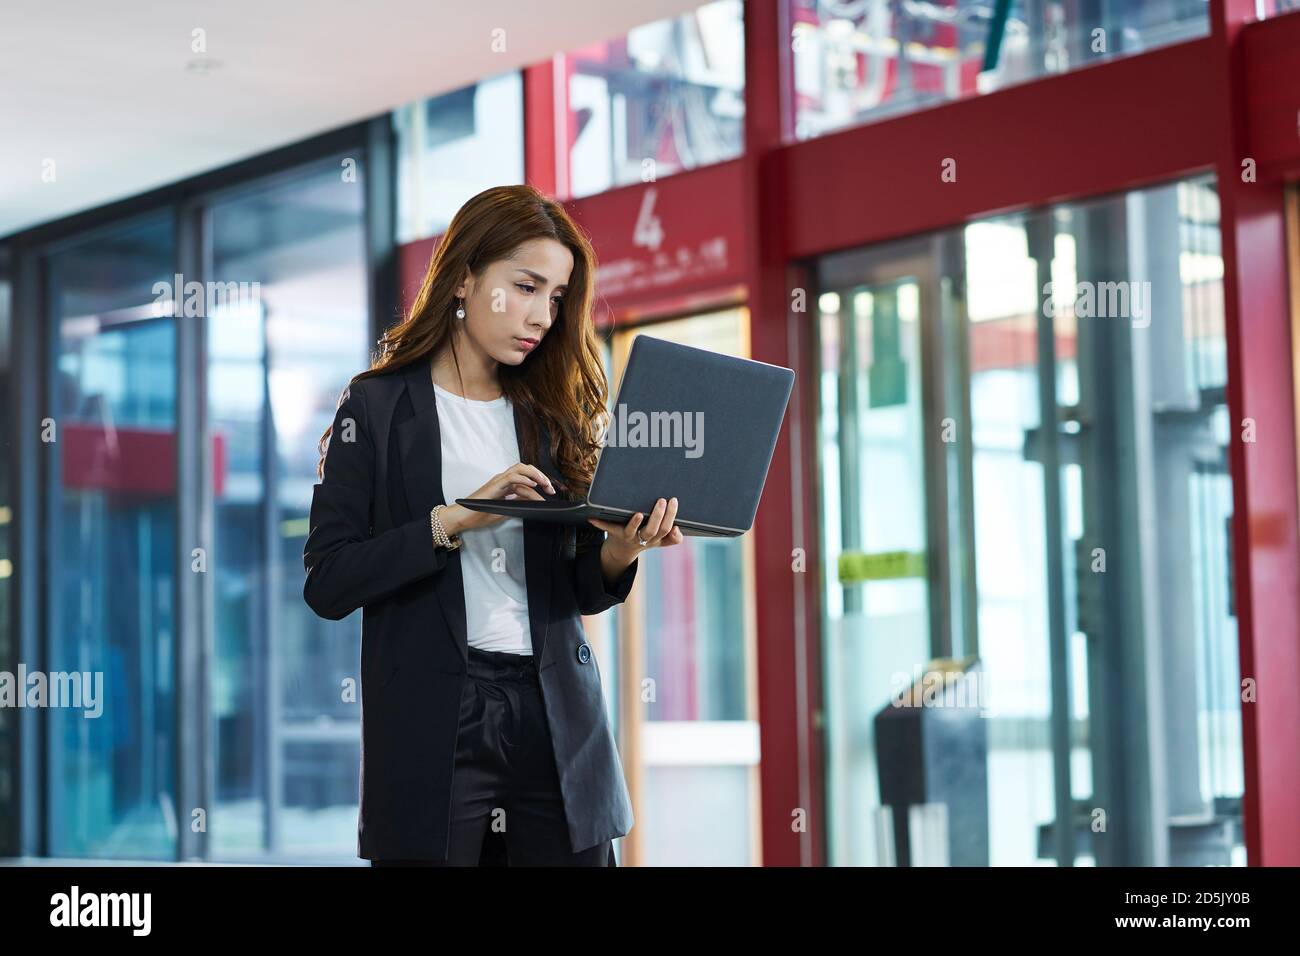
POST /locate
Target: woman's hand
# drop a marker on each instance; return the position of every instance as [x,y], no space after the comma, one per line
[517,481]
[629,540]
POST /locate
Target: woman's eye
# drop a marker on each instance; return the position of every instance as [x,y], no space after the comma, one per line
[558,300]
[526,288]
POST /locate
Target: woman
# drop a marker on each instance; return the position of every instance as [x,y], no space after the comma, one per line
[482,708]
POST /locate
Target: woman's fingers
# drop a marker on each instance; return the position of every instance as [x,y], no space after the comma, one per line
[534,474]
[666,526]
[517,476]
[652,525]
[667,534]
[502,485]
[511,478]
[524,491]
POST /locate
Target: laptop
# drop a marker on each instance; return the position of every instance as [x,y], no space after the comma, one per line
[688,422]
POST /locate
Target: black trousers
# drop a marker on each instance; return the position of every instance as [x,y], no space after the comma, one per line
[506,808]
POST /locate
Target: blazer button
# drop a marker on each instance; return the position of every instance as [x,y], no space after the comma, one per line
[584,653]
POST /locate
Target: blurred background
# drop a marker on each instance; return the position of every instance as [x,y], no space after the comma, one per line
[1089,519]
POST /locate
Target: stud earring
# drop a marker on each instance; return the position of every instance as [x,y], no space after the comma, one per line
[460,312]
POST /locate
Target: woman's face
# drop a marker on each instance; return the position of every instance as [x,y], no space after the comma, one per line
[517,300]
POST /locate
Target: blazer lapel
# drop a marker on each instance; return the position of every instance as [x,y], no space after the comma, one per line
[420,446]
[541,550]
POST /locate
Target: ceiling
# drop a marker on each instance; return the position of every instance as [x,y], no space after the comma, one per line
[113,99]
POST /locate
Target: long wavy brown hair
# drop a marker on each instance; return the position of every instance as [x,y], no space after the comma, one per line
[562,382]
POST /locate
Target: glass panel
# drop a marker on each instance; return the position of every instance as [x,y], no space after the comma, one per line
[861,60]
[701,816]
[112,562]
[454,146]
[279,355]
[1010,532]
[1103,632]
[668,96]
[877,607]
[688,632]
[694,600]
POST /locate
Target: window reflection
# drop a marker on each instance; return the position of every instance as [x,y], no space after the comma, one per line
[286,737]
[112,558]
[861,60]
[454,146]
[1088,550]
[668,96]
[1271,8]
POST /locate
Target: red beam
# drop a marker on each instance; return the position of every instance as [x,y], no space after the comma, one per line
[680,236]
[1102,129]
[128,461]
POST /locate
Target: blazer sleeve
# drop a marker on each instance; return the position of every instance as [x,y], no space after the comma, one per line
[589,578]
[348,566]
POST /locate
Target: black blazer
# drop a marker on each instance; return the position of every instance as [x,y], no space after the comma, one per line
[370,546]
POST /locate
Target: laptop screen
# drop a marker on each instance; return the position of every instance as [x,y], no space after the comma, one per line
[697,424]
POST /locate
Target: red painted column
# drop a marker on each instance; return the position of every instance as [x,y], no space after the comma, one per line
[1266,549]
[793,825]
[540,153]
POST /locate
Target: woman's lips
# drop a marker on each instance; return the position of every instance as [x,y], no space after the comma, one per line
[527,344]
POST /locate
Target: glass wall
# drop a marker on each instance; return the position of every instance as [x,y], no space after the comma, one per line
[1006,604]
[454,146]
[861,60]
[687,640]
[279,287]
[285,734]
[667,97]
[111,549]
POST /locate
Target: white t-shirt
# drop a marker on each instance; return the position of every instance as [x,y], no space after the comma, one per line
[479,441]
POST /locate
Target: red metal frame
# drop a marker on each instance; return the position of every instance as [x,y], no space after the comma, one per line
[785,529]
[1200,105]
[1258,330]
[1267,94]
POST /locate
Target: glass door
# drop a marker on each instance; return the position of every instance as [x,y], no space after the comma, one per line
[884,446]
[290,333]
[687,692]
[112,563]
[1029,638]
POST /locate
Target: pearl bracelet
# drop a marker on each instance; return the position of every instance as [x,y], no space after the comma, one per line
[440,536]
